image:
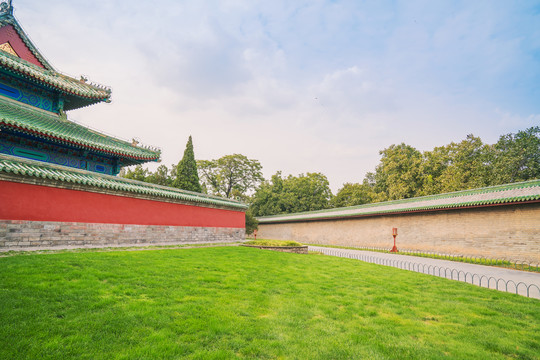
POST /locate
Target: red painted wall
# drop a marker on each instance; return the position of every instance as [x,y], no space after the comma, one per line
[42,203]
[9,34]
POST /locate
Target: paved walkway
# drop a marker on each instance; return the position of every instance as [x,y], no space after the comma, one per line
[485,276]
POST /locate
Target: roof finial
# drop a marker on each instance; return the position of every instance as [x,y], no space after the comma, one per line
[6,7]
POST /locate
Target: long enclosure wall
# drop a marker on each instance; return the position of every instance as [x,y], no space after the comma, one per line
[506,231]
[34,216]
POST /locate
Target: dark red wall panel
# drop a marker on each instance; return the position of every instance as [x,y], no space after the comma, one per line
[42,203]
[9,34]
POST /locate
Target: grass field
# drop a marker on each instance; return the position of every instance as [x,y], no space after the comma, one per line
[237,302]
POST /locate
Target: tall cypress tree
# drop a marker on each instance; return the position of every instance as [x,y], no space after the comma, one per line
[186,171]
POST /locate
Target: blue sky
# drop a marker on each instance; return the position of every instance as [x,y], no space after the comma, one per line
[302,86]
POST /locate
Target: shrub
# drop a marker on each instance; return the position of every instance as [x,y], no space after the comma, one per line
[273,243]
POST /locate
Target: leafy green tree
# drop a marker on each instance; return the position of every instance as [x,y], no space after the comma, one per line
[405,172]
[187,177]
[399,174]
[292,194]
[161,176]
[137,173]
[434,164]
[251,223]
[353,194]
[468,165]
[311,192]
[231,176]
[517,156]
[267,198]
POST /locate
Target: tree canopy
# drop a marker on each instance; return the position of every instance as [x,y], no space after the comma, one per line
[231,176]
[137,173]
[187,177]
[398,175]
[161,176]
[466,165]
[291,194]
[517,156]
[405,172]
[251,223]
[353,194]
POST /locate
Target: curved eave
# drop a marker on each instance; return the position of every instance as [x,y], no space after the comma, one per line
[75,102]
[53,80]
[81,144]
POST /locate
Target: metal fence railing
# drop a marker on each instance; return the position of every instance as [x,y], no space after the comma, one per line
[508,263]
[489,282]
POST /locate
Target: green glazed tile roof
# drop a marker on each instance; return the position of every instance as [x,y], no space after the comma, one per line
[47,125]
[25,167]
[495,195]
[53,79]
[87,94]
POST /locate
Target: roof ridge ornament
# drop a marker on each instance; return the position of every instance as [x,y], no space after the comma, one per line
[6,8]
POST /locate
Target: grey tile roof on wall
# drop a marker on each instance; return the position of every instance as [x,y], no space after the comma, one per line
[495,195]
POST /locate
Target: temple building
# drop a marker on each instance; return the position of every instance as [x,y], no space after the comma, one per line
[58,178]
[33,105]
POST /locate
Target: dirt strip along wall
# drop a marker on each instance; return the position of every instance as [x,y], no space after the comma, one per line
[37,216]
[508,231]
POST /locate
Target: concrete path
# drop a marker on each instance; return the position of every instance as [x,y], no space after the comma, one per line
[526,283]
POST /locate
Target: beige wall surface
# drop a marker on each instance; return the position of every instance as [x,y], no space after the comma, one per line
[510,231]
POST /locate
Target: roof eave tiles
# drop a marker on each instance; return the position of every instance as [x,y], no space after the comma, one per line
[75,143]
[53,80]
[528,191]
[31,168]
[46,125]
[47,76]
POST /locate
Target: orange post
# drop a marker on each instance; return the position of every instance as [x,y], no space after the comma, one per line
[394,234]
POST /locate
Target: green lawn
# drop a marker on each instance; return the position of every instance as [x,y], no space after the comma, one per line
[238,302]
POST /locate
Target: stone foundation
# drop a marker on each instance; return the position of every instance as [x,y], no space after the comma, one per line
[34,235]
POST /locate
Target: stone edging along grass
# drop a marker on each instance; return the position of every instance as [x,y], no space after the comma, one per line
[302,249]
[278,245]
[12,252]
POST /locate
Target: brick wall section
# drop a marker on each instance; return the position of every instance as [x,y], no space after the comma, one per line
[17,178]
[509,231]
[34,235]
